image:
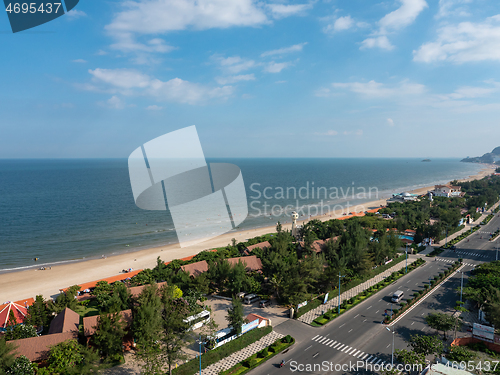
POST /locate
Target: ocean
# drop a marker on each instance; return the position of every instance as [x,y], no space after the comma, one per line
[72,209]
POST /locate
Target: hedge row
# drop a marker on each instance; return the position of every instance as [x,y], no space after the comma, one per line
[213,356]
[405,305]
[259,358]
[348,304]
[318,301]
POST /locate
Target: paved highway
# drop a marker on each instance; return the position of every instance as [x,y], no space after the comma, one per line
[359,335]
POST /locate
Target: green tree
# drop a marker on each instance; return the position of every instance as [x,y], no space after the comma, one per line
[6,355]
[22,366]
[20,331]
[147,327]
[440,322]
[120,298]
[175,333]
[235,315]
[102,294]
[65,299]
[460,353]
[64,356]
[109,335]
[409,357]
[38,313]
[426,345]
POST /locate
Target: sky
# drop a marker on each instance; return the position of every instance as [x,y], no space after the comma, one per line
[317,78]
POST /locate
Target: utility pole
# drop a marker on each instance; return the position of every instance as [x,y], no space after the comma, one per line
[200,354]
[406,253]
[461,285]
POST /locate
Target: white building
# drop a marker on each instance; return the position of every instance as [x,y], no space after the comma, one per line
[447,191]
[402,197]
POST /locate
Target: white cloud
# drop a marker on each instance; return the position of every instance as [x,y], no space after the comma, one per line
[390,122]
[234,64]
[121,78]
[82,61]
[358,132]
[154,108]
[403,16]
[113,102]
[280,82]
[329,132]
[374,89]
[126,42]
[101,53]
[464,42]
[282,10]
[75,14]
[132,82]
[323,92]
[282,51]
[343,23]
[455,8]
[234,79]
[380,42]
[274,67]
[160,16]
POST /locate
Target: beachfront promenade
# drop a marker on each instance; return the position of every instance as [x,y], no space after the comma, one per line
[333,303]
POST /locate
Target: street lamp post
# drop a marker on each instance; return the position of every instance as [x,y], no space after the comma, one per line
[406,253]
[392,355]
[339,290]
[461,285]
[200,354]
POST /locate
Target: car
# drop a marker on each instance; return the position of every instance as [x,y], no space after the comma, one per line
[265,303]
[453,247]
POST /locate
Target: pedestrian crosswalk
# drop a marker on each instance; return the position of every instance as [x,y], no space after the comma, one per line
[348,350]
[452,261]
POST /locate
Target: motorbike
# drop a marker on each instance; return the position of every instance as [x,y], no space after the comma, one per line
[282,363]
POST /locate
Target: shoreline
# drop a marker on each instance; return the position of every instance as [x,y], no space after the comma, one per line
[30,281]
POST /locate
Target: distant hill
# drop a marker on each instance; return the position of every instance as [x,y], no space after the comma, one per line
[492,157]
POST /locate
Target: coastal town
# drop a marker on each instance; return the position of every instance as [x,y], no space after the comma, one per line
[285,298]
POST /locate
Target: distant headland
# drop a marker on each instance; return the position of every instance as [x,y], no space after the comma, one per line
[492,157]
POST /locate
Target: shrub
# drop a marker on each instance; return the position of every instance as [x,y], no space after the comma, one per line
[264,353]
[251,362]
[288,339]
[395,311]
[403,304]
[460,353]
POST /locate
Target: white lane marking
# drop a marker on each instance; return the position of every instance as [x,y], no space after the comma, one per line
[364,320]
[369,307]
[323,339]
[378,361]
[412,323]
[373,359]
[349,330]
[408,281]
[342,325]
[356,316]
[337,346]
[364,356]
[308,347]
[351,351]
[314,356]
[346,348]
[388,345]
[377,311]
[367,359]
[333,343]
[327,335]
[318,338]
[315,337]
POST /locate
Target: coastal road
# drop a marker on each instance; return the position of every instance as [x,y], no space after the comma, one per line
[357,334]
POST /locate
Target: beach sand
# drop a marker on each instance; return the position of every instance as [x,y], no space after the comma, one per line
[31,282]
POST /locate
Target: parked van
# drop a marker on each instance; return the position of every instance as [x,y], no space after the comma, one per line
[397,296]
[251,298]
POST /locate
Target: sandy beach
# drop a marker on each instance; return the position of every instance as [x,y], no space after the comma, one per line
[31,282]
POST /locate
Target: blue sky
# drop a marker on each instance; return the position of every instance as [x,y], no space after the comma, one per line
[324,78]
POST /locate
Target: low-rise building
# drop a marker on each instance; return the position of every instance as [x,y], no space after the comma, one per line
[448,191]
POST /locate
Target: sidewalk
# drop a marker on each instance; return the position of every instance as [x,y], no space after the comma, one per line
[233,359]
[467,229]
[320,310]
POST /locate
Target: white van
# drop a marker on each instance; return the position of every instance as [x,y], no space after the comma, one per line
[397,296]
[251,298]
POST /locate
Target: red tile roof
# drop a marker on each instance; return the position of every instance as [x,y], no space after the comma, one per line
[37,348]
[66,321]
[252,263]
[261,245]
[136,290]
[196,269]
